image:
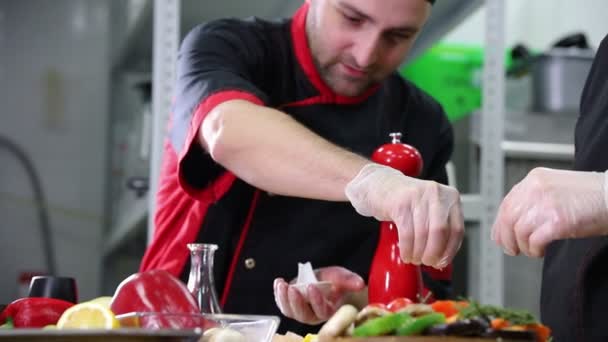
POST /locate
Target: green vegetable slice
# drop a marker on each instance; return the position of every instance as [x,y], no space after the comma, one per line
[382,325]
[418,324]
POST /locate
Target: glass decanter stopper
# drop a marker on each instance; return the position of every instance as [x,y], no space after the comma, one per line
[200,280]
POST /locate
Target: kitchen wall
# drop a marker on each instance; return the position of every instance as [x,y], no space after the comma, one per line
[54,70]
[539,23]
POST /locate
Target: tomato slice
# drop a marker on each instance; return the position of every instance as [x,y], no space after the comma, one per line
[398,304]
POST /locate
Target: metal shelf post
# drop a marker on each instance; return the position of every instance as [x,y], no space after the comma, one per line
[166,43]
[491,265]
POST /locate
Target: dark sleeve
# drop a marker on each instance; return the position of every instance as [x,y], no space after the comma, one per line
[217,62]
[591,135]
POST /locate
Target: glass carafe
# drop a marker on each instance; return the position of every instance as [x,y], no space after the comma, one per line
[200,281]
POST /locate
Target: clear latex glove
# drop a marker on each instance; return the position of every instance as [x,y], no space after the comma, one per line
[315,307]
[550,205]
[428,215]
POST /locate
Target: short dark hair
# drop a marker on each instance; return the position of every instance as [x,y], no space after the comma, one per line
[431,1]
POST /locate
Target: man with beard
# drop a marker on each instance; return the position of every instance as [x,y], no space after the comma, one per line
[268,149]
[563,216]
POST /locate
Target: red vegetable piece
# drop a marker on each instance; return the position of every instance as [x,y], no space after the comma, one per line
[153,291]
[34,312]
[398,304]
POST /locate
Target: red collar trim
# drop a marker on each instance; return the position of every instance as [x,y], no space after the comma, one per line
[304,56]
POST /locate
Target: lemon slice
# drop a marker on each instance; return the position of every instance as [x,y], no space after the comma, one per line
[310,338]
[88,315]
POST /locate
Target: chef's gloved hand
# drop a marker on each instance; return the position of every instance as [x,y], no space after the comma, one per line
[550,205]
[316,307]
[428,215]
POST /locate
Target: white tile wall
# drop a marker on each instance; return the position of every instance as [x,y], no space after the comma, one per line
[54,71]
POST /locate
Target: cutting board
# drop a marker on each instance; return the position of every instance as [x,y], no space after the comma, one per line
[90,335]
[415,339]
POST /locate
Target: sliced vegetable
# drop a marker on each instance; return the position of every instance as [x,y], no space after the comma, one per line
[377,305]
[506,334]
[417,309]
[398,303]
[543,332]
[448,307]
[515,317]
[34,312]
[419,324]
[8,324]
[370,312]
[465,327]
[339,322]
[499,323]
[382,325]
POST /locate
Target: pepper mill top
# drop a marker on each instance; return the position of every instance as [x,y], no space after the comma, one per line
[400,156]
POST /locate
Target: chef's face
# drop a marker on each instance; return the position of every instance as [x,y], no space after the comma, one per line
[357,43]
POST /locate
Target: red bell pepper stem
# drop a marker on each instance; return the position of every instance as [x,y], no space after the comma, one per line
[8,324]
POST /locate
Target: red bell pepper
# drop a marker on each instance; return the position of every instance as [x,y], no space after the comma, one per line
[35,312]
[153,291]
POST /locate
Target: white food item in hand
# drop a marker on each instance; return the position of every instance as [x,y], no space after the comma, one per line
[306,275]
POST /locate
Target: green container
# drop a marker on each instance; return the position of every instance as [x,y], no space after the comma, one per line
[452,74]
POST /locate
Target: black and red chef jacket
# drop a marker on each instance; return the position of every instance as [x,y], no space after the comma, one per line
[262,236]
[574,295]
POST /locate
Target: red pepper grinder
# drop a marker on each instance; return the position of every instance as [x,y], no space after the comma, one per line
[389,276]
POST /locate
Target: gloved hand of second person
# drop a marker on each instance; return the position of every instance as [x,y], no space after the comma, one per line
[315,307]
[428,215]
[550,205]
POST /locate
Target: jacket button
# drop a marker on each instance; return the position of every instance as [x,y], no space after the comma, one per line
[250,263]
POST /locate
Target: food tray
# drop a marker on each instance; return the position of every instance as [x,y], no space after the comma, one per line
[255,328]
[96,335]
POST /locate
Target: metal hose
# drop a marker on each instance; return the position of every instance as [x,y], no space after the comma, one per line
[39,199]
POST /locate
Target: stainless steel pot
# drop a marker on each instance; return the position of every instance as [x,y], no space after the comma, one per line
[558,78]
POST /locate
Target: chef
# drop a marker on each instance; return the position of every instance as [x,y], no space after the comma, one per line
[563,216]
[267,156]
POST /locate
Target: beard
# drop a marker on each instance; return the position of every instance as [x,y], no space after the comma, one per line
[331,66]
[333,75]
[343,84]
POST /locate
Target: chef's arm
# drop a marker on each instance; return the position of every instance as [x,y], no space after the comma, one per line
[270,150]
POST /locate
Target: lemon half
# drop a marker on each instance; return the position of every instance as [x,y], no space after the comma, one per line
[88,315]
[105,301]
